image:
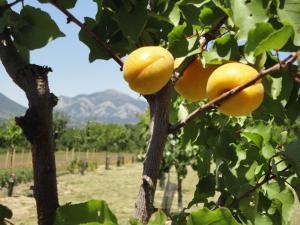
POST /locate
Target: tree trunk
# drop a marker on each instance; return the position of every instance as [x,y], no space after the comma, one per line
[179,192]
[159,112]
[36,125]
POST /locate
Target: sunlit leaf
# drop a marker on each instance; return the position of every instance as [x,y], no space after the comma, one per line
[39,30]
[221,216]
[289,11]
[93,211]
[159,218]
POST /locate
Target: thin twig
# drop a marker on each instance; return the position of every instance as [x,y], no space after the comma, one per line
[91,33]
[269,176]
[205,38]
[9,5]
[178,72]
[8,222]
[217,101]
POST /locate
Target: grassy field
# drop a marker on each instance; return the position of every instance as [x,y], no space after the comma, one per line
[23,159]
[118,186]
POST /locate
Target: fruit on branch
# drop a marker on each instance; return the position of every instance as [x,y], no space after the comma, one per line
[192,84]
[148,69]
[229,76]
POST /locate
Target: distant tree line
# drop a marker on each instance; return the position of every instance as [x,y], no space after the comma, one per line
[93,136]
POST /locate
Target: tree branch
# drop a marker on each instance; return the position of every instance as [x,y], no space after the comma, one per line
[269,176]
[92,34]
[204,39]
[36,125]
[217,101]
[9,5]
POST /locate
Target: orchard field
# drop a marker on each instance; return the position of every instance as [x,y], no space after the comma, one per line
[222,81]
[63,158]
[116,186]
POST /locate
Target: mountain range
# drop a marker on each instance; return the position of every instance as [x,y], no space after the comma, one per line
[109,106]
[9,108]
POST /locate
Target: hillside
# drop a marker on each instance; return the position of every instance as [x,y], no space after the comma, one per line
[109,106]
[9,108]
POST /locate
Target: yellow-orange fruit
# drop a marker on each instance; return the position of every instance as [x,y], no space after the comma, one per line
[148,69]
[192,84]
[229,76]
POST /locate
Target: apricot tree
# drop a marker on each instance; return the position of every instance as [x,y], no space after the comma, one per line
[250,163]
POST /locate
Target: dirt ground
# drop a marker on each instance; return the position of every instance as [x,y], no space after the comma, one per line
[118,186]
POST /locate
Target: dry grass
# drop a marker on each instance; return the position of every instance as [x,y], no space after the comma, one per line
[23,159]
[117,186]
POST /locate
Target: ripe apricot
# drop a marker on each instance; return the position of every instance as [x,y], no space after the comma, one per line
[229,76]
[148,69]
[192,84]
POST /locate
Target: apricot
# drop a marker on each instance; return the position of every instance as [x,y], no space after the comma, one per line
[229,76]
[148,69]
[192,84]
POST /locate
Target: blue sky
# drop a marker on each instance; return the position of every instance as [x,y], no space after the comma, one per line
[68,57]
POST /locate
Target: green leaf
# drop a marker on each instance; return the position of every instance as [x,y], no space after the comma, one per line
[255,35]
[175,15]
[108,31]
[160,218]
[220,216]
[134,221]
[263,219]
[23,51]
[39,30]
[296,185]
[178,45]
[5,213]
[247,13]
[93,211]
[250,174]
[132,22]
[190,13]
[264,129]
[64,3]
[182,112]
[67,3]
[94,223]
[285,197]
[225,48]
[231,181]
[204,189]
[263,38]
[254,137]
[248,206]
[281,88]
[210,15]
[292,155]
[289,11]
[275,41]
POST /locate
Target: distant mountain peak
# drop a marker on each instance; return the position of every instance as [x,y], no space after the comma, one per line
[109,106]
[9,108]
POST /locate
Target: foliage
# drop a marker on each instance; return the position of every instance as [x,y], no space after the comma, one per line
[247,162]
[76,166]
[5,213]
[23,175]
[97,212]
[11,135]
[92,212]
[102,137]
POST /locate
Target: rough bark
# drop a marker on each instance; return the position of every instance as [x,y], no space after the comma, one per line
[159,112]
[36,125]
